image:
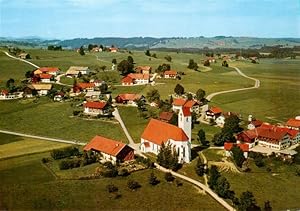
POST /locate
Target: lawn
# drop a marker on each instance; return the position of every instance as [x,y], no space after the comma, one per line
[276,100]
[50,119]
[210,131]
[26,146]
[47,193]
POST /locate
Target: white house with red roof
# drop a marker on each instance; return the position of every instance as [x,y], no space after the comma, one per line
[220,120]
[110,150]
[213,113]
[158,132]
[47,70]
[129,99]
[228,146]
[46,78]
[179,103]
[86,87]
[95,108]
[293,123]
[170,74]
[135,78]
[254,124]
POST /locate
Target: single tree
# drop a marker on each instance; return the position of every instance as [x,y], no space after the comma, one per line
[153,179]
[206,63]
[133,185]
[103,87]
[189,96]
[29,74]
[125,67]
[169,177]
[10,84]
[214,175]
[153,95]
[167,157]
[147,53]
[223,187]
[168,58]
[81,51]
[247,201]
[201,137]
[130,60]
[232,124]
[192,65]
[200,168]
[162,68]
[200,94]
[268,206]
[238,156]
[111,188]
[154,55]
[114,61]
[179,89]
[225,63]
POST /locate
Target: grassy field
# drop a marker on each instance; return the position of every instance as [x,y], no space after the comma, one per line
[276,100]
[49,119]
[47,193]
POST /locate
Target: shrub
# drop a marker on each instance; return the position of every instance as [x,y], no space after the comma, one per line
[76,113]
[109,172]
[133,185]
[153,179]
[45,160]
[108,165]
[112,188]
[178,183]
[69,164]
[64,153]
[146,161]
[123,172]
[169,177]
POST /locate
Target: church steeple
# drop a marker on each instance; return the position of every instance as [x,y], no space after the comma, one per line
[185,121]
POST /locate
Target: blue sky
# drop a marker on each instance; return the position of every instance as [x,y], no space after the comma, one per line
[158,18]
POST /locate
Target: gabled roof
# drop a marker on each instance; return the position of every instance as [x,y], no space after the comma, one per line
[127,79]
[256,123]
[48,69]
[215,110]
[4,92]
[184,102]
[42,86]
[271,134]
[45,76]
[130,97]
[97,105]
[159,132]
[243,147]
[170,72]
[293,123]
[186,111]
[105,145]
[139,76]
[166,116]
[85,85]
[74,70]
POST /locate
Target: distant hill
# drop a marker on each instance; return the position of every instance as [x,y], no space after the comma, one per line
[150,42]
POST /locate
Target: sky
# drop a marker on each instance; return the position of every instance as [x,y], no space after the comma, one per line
[65,19]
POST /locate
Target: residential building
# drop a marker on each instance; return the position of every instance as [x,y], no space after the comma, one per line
[293,123]
[170,74]
[129,99]
[24,56]
[86,86]
[213,113]
[110,150]
[179,103]
[220,120]
[42,89]
[73,71]
[228,146]
[113,49]
[93,95]
[158,132]
[135,78]
[143,69]
[96,108]
[47,70]
[254,124]
[46,78]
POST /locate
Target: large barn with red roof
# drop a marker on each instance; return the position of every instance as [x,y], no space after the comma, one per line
[158,132]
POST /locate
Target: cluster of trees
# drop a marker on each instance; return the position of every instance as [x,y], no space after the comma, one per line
[69,164]
[206,63]
[15,51]
[225,63]
[81,51]
[238,156]
[54,48]
[193,65]
[200,168]
[126,66]
[179,89]
[167,157]
[57,154]
[231,126]
[162,68]
[147,53]
[168,58]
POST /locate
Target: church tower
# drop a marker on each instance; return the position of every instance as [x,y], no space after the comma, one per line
[185,121]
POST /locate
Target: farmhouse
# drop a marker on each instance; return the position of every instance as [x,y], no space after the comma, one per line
[213,113]
[179,103]
[170,74]
[46,78]
[58,97]
[42,89]
[24,56]
[254,124]
[47,70]
[293,123]
[110,150]
[93,95]
[211,59]
[143,69]
[113,49]
[129,99]
[5,95]
[73,71]
[228,146]
[135,78]
[96,108]
[86,86]
[158,132]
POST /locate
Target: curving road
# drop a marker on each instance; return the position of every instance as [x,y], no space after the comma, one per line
[23,60]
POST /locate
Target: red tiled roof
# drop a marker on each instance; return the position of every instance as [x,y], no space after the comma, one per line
[129,96]
[170,72]
[85,85]
[190,103]
[4,92]
[139,68]
[97,105]
[160,132]
[215,110]
[293,123]
[45,76]
[139,76]
[256,123]
[167,116]
[186,111]
[243,147]
[251,134]
[184,102]
[127,79]
[105,145]
[48,69]
[271,134]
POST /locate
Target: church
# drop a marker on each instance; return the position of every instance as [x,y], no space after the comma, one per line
[179,137]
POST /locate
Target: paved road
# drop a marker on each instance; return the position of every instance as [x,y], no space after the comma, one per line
[43,138]
[200,185]
[58,80]
[23,60]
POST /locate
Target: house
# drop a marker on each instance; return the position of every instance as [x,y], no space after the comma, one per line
[228,146]
[273,139]
[170,74]
[220,120]
[46,78]
[178,103]
[110,150]
[254,124]
[73,71]
[113,49]
[166,116]
[58,97]
[213,113]
[158,132]
[97,82]
[127,81]
[96,49]
[293,123]
[135,78]
[93,95]
[247,137]
[96,108]
[42,89]
[143,69]
[5,95]
[47,70]
[211,59]
[24,56]
[86,86]
[129,99]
